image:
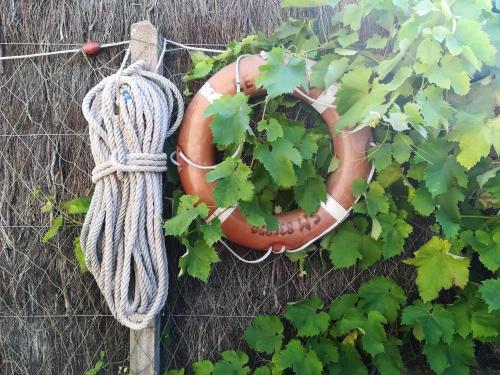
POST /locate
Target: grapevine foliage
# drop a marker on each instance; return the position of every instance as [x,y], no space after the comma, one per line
[426,80]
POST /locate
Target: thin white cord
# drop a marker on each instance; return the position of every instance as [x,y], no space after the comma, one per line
[76,50]
[195,48]
[259,260]
[199,166]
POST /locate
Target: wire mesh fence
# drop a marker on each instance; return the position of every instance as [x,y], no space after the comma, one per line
[53,319]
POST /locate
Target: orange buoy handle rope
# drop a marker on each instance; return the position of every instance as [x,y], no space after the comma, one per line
[296,229]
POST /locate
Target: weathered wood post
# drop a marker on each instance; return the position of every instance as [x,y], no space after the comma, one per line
[145,44]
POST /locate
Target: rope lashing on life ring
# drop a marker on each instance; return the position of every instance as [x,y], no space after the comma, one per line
[297,230]
[130,114]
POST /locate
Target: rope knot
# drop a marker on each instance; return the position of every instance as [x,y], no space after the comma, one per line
[130,163]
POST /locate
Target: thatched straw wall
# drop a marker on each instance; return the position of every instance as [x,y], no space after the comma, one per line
[52,318]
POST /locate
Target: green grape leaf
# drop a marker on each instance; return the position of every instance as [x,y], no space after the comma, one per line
[423,7]
[401,148]
[469,33]
[77,205]
[233,184]
[264,370]
[187,212]
[212,232]
[444,170]
[310,193]
[325,348]
[376,42]
[390,362]
[342,304]
[455,358]
[320,69]
[492,186]
[258,212]
[299,359]
[80,255]
[198,259]
[487,245]
[433,323]
[448,214]
[347,245]
[371,327]
[272,127]
[438,269]
[350,362]
[180,371]
[422,201]
[231,118]
[202,66]
[357,97]
[352,14]
[394,232]
[461,316]
[376,201]
[490,293]
[306,317]
[280,77]
[278,161]
[54,228]
[475,137]
[434,109]
[382,294]
[429,51]
[204,367]
[381,156]
[335,71]
[232,362]
[265,334]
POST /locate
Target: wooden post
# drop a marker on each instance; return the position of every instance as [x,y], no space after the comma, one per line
[145,44]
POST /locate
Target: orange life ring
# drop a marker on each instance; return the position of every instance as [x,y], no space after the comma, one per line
[296,228]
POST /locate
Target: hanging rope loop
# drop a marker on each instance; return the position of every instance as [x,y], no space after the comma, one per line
[130,114]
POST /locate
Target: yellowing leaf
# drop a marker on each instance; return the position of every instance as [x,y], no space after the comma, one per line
[475,138]
[438,269]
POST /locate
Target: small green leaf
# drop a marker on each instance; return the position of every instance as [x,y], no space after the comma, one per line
[278,77]
[198,260]
[352,15]
[381,156]
[232,362]
[384,295]
[230,119]
[376,201]
[456,358]
[401,148]
[54,228]
[429,51]
[430,322]
[187,212]
[299,359]
[80,255]
[394,232]
[310,194]
[335,71]
[438,269]
[212,232]
[376,42]
[265,334]
[272,127]
[306,317]
[278,161]
[232,180]
[490,292]
[77,205]
[203,368]
[422,201]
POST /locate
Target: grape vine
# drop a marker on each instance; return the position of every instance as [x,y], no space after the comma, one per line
[427,80]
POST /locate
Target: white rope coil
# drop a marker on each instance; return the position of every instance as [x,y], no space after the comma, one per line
[130,114]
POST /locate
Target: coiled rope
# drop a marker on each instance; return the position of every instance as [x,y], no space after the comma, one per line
[130,114]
